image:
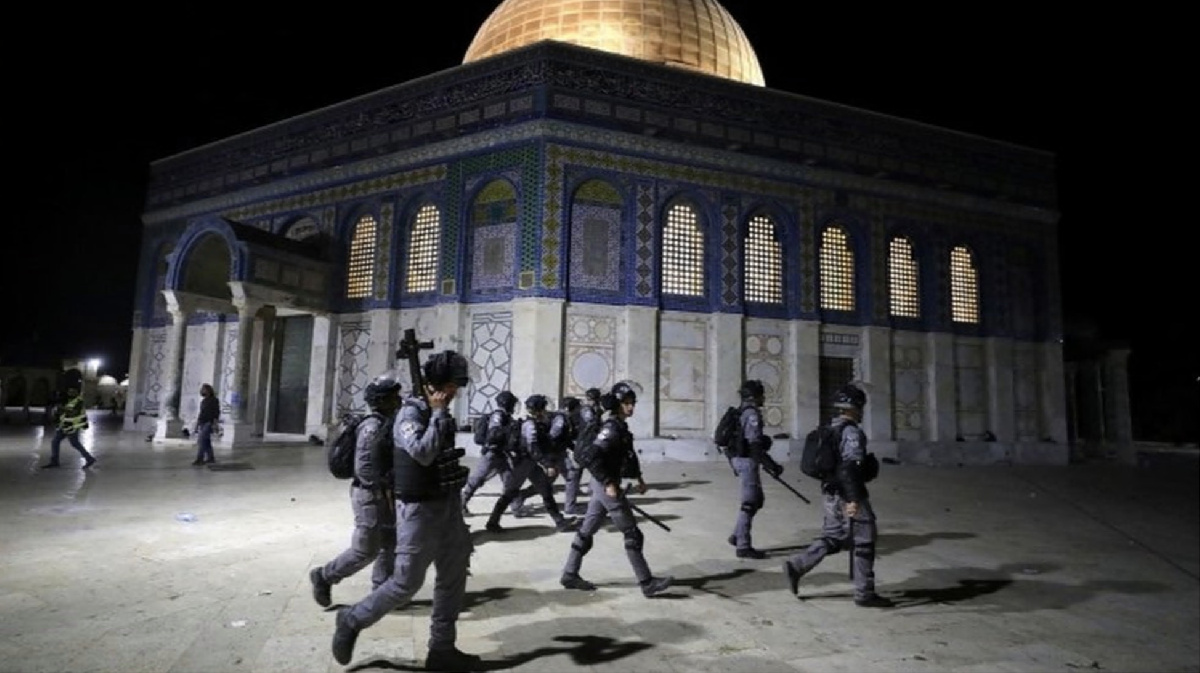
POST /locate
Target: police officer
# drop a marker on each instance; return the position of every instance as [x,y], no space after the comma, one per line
[562,434]
[606,459]
[371,498]
[849,520]
[492,457]
[751,451]
[72,419]
[534,461]
[430,526]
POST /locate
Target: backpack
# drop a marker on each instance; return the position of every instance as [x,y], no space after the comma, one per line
[726,435]
[513,446]
[821,453]
[345,441]
[481,427]
[587,435]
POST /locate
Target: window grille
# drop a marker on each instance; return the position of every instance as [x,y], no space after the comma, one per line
[902,279]
[964,286]
[683,253]
[837,270]
[423,250]
[764,262]
[360,264]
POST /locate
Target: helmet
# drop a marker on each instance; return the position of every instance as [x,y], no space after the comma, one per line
[446,367]
[849,396]
[536,403]
[569,404]
[751,389]
[608,402]
[506,400]
[593,394]
[387,383]
[623,392]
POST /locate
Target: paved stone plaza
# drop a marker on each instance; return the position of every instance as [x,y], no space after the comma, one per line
[145,563]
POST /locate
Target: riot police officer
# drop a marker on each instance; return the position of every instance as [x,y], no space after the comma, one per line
[747,454]
[493,459]
[563,430]
[430,528]
[849,519]
[535,461]
[607,459]
[374,537]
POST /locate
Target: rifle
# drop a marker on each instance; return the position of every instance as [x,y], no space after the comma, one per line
[643,512]
[851,549]
[410,350]
[789,487]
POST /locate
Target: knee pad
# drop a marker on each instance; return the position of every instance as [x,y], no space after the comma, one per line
[582,543]
[634,539]
[751,507]
[832,545]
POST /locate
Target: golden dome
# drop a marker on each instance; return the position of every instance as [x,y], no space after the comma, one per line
[694,34]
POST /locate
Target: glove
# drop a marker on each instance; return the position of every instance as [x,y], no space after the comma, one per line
[773,468]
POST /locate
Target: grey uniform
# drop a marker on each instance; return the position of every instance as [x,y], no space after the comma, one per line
[614,445]
[430,530]
[528,463]
[747,468]
[836,530]
[561,434]
[492,458]
[374,537]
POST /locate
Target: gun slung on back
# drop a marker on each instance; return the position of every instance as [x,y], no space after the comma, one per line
[410,350]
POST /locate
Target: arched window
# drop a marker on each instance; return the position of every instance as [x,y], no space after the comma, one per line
[964,286]
[764,262]
[360,263]
[903,287]
[423,246]
[683,252]
[837,270]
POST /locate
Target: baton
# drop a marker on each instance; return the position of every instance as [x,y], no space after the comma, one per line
[851,548]
[643,512]
[789,487]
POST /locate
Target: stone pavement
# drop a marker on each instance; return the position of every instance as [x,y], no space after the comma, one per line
[145,563]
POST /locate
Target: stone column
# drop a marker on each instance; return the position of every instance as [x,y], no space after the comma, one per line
[169,425]
[321,377]
[877,383]
[727,369]
[1051,394]
[137,387]
[238,430]
[943,394]
[637,360]
[262,343]
[1119,420]
[1001,389]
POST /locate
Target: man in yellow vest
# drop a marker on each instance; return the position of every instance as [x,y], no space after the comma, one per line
[72,419]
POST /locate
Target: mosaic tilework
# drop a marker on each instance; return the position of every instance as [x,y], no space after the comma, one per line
[880,303]
[595,247]
[493,256]
[765,353]
[644,279]
[519,166]
[730,248]
[552,224]
[591,347]
[909,382]
[331,197]
[491,352]
[383,250]
[154,365]
[971,390]
[228,364]
[354,338]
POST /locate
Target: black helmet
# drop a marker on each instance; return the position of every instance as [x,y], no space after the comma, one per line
[849,396]
[387,383]
[751,389]
[506,400]
[569,404]
[608,402]
[593,394]
[623,392]
[536,403]
[446,367]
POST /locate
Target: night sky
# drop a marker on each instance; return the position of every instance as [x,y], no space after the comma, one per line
[122,92]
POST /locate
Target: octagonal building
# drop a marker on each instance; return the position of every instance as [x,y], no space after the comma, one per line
[608,190]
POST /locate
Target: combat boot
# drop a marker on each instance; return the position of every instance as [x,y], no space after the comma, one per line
[874,601]
[89,462]
[565,525]
[793,575]
[574,581]
[452,659]
[47,466]
[655,585]
[344,637]
[751,552]
[320,587]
